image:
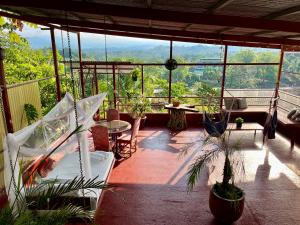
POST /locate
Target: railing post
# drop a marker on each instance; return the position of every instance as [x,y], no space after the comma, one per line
[223,76]
[142,68]
[96,79]
[80,64]
[55,63]
[5,101]
[114,83]
[279,73]
[170,72]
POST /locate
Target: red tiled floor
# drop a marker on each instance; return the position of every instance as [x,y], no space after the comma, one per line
[151,185]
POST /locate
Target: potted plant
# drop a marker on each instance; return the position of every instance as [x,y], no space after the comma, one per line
[239,122]
[139,106]
[226,200]
[176,102]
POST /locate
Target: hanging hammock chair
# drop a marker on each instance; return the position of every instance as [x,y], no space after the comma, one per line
[215,129]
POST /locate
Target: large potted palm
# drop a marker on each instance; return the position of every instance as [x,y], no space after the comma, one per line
[226,200]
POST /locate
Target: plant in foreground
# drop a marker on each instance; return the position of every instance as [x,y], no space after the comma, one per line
[212,148]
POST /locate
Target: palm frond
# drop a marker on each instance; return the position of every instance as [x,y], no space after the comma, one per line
[45,191]
[197,167]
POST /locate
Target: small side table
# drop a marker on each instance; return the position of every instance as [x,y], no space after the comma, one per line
[177,119]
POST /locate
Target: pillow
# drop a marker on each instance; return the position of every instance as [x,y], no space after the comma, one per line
[228,103]
[291,113]
[242,103]
[296,115]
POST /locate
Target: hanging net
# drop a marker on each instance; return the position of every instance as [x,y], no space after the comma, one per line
[44,135]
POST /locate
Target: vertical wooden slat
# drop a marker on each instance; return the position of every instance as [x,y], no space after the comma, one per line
[55,63]
[142,68]
[114,83]
[170,72]
[5,101]
[279,73]
[223,76]
[80,64]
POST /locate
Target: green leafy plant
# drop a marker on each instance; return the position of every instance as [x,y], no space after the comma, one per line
[239,120]
[212,148]
[31,113]
[139,106]
[45,203]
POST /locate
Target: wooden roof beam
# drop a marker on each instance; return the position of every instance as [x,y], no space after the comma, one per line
[162,32]
[285,12]
[218,5]
[157,14]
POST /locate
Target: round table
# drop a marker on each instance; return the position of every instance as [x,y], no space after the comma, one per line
[115,128]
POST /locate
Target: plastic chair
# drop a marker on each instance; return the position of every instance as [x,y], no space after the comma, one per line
[130,139]
[101,138]
[113,114]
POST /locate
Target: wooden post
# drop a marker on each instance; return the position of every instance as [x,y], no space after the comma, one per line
[279,73]
[80,64]
[223,76]
[114,83]
[55,63]
[142,68]
[5,101]
[96,79]
[170,72]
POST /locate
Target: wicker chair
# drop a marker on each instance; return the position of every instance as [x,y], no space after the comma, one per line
[112,114]
[101,138]
[130,139]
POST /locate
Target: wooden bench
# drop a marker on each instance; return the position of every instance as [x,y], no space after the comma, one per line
[285,126]
[245,127]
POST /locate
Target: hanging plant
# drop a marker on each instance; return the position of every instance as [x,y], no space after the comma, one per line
[134,74]
[171,64]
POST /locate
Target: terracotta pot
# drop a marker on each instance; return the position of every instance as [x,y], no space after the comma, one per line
[176,103]
[225,210]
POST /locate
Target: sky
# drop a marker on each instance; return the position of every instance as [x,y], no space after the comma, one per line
[41,38]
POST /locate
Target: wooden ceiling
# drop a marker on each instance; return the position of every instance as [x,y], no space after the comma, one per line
[257,23]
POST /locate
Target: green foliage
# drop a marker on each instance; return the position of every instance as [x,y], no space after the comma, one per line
[31,113]
[239,120]
[30,217]
[139,106]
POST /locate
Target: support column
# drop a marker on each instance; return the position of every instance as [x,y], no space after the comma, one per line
[6,108]
[142,68]
[114,83]
[279,73]
[170,72]
[80,64]
[96,79]
[223,76]
[55,63]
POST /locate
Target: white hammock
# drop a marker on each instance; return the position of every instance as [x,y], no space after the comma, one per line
[44,135]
